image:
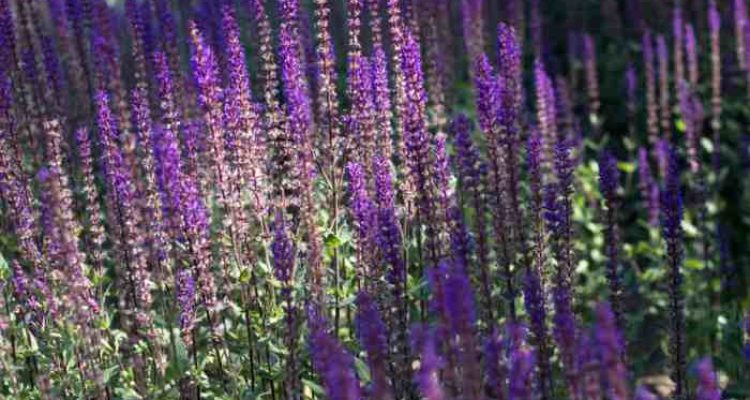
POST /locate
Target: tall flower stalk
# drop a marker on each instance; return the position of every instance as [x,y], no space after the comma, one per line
[609,177]
[389,241]
[610,348]
[129,245]
[467,159]
[558,221]
[592,81]
[739,11]
[283,257]
[419,162]
[363,218]
[678,35]
[172,171]
[665,105]
[521,365]
[714,25]
[245,146]
[649,76]
[509,114]
[397,36]
[487,100]
[332,362]
[428,375]
[534,293]
[691,55]
[546,113]
[648,187]
[373,337]
[95,236]
[299,126]
[671,222]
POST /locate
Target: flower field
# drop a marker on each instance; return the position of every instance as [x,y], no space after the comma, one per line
[374,199]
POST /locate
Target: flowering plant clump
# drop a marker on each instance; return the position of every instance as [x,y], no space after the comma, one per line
[374,199]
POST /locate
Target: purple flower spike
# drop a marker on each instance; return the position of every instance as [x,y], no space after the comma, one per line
[359,201]
[62,248]
[708,383]
[293,79]
[522,362]
[714,24]
[427,379]
[363,216]
[298,128]
[460,315]
[389,243]
[373,336]
[487,96]
[282,251]
[592,78]
[487,100]
[467,158]
[691,53]
[499,130]
[545,109]
[185,289]
[417,143]
[661,153]
[648,187]
[642,393]
[7,36]
[244,146]
[509,71]
[678,30]
[382,102]
[28,308]
[588,371]
[121,191]
[631,95]
[442,176]
[610,349]
[333,364]
[470,174]
[671,222]
[739,11]
[283,258]
[557,212]
[388,237]
[495,367]
[609,177]
[362,117]
[535,307]
[52,67]
[472,22]
[691,111]
[533,286]
[652,106]
[204,66]
[665,117]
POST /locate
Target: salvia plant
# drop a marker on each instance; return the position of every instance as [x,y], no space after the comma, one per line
[374,199]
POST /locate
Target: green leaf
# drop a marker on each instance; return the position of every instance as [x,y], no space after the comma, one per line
[4,270]
[245,276]
[109,373]
[693,264]
[363,371]
[316,389]
[332,241]
[680,125]
[626,167]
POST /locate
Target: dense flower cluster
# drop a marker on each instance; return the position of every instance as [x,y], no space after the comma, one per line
[284,199]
